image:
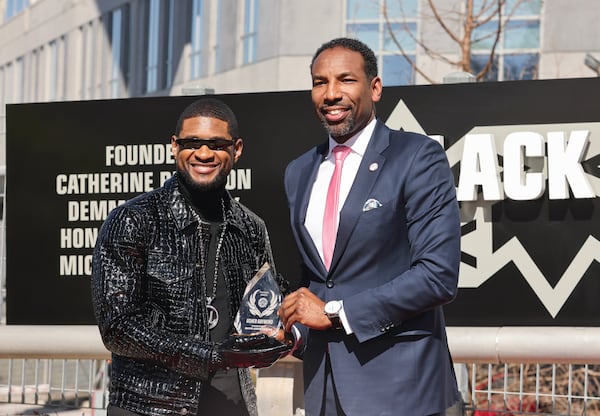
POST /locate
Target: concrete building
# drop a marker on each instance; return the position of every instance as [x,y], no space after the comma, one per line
[57,50]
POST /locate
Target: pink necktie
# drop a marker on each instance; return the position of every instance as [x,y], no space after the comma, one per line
[330,218]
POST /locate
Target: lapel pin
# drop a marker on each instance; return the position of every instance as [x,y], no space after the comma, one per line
[373,167]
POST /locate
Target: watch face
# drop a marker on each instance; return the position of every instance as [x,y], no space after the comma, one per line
[333,307]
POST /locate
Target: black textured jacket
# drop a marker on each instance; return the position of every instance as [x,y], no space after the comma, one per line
[148,295]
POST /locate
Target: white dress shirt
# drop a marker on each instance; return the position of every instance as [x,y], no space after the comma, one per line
[316,205]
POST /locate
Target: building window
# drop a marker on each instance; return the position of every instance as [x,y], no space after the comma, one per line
[250,25]
[87,60]
[7,86]
[389,28]
[56,73]
[35,74]
[152,45]
[119,41]
[159,45]
[116,45]
[2,91]
[168,45]
[518,49]
[217,45]
[53,70]
[19,81]
[14,7]
[197,40]
[13,87]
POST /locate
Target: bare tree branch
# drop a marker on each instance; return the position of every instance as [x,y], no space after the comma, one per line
[430,52]
[471,20]
[492,54]
[440,20]
[404,54]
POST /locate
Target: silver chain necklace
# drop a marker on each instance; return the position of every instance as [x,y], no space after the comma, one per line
[213,313]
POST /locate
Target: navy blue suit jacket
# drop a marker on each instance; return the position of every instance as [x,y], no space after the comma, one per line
[394,267]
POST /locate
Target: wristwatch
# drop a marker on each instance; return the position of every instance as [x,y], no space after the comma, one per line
[332,310]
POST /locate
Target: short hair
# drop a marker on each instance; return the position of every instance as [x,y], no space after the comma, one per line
[353,45]
[210,107]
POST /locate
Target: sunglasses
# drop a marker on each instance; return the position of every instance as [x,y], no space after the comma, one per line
[194,143]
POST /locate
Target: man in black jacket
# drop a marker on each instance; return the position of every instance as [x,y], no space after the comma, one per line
[169,271]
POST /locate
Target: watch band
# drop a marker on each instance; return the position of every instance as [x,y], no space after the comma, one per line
[336,322]
[332,311]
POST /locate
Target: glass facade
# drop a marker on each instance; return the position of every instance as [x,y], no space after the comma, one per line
[86,60]
[392,29]
[219,28]
[152,46]
[147,46]
[118,36]
[518,46]
[196,40]
[159,45]
[14,7]
[53,67]
[250,27]
[168,45]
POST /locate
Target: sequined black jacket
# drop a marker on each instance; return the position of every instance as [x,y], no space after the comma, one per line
[148,297]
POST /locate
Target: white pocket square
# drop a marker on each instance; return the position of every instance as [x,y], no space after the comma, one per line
[371,204]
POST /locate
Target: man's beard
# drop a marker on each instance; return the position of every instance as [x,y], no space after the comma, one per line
[342,129]
[217,184]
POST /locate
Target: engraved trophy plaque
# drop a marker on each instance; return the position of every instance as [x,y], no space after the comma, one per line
[260,303]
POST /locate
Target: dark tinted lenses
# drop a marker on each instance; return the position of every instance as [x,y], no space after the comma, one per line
[195,144]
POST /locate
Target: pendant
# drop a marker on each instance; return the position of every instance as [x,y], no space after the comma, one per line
[213,314]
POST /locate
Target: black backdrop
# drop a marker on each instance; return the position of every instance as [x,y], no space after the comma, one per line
[51,139]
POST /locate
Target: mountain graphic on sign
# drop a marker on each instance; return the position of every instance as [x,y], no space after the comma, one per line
[486,249]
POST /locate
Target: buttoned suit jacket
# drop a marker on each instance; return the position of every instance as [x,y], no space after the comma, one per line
[394,265]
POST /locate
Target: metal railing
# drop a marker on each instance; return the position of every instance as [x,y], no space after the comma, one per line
[501,371]
[534,389]
[528,370]
[54,383]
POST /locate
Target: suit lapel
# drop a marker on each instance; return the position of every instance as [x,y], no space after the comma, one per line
[368,172]
[307,179]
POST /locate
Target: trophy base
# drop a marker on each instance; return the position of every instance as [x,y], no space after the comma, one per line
[271,344]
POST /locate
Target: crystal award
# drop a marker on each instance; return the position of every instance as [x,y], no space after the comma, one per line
[260,303]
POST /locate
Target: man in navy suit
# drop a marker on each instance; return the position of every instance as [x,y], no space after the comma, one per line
[368,322]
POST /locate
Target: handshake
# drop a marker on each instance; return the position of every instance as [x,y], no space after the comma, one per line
[240,351]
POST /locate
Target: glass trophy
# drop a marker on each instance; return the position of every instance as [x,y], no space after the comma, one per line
[260,303]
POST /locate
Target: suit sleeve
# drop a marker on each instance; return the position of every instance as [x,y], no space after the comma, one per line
[433,233]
